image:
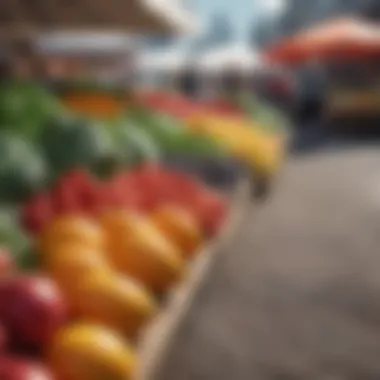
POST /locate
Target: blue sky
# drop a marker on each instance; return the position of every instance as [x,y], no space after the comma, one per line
[240,12]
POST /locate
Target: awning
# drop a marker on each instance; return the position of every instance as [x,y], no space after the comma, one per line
[238,57]
[25,17]
[166,61]
[84,43]
[341,38]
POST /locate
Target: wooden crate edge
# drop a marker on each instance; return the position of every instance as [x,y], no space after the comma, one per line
[156,339]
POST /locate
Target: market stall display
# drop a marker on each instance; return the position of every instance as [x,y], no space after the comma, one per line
[100,232]
[110,215]
[247,129]
[104,236]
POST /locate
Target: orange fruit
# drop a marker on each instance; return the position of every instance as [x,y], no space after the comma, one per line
[71,228]
[179,226]
[91,352]
[70,263]
[137,248]
[115,301]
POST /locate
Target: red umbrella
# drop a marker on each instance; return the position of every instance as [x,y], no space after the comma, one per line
[341,38]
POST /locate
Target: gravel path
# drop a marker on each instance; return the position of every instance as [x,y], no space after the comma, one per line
[297,294]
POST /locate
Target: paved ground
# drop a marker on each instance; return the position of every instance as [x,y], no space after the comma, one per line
[297,294]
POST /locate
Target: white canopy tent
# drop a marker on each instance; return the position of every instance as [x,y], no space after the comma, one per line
[85,43]
[175,13]
[166,61]
[160,68]
[240,57]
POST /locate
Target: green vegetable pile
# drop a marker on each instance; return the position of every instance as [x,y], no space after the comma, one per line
[40,140]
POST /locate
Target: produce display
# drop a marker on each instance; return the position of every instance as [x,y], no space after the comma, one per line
[244,127]
[99,220]
[106,252]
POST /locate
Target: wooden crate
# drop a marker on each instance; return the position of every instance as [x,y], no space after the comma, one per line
[156,339]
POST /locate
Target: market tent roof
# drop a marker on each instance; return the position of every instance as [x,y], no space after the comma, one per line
[344,37]
[170,60]
[240,57]
[158,16]
[84,43]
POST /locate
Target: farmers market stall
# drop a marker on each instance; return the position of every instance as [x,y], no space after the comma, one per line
[348,50]
[111,212]
[113,204]
[132,182]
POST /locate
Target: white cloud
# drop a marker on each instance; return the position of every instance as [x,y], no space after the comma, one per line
[273,7]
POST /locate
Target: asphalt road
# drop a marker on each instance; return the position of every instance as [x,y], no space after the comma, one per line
[296,295]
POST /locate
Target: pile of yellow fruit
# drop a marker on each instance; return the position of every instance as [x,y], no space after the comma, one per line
[110,271]
[262,151]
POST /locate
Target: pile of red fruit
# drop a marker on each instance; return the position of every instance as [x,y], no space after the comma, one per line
[140,189]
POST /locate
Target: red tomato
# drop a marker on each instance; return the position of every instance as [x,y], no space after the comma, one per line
[77,177]
[122,191]
[88,191]
[180,187]
[6,262]
[148,177]
[66,198]
[37,212]
[211,210]
[93,199]
[146,182]
[156,184]
[132,196]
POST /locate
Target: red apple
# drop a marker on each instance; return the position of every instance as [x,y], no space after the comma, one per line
[31,309]
[15,368]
